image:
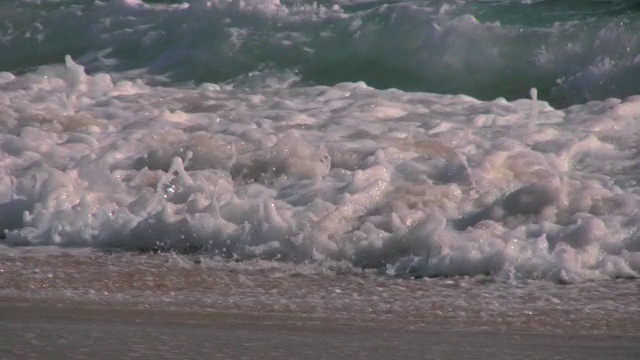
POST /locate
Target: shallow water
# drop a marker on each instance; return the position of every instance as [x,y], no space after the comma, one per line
[333,291]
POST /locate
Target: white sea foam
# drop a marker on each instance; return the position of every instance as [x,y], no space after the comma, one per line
[411,183]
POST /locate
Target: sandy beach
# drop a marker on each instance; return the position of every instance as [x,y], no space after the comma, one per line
[48,331]
[105,306]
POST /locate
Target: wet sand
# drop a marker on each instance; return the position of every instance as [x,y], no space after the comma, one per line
[47,331]
[99,306]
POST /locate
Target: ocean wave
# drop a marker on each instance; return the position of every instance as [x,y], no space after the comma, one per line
[572,52]
[409,183]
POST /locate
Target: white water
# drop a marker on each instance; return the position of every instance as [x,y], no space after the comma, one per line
[410,183]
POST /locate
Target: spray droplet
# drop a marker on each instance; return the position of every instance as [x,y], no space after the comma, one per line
[534,105]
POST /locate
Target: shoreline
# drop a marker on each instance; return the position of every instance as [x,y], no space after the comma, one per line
[107,306]
[35,330]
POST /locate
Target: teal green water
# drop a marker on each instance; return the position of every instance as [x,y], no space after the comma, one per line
[572,51]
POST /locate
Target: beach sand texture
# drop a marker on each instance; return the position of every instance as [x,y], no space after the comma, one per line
[117,306]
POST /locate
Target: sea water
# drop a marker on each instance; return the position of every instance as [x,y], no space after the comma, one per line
[413,138]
